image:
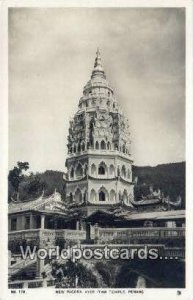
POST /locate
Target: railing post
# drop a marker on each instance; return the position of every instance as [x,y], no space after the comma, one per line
[44,283]
[25,285]
[40,268]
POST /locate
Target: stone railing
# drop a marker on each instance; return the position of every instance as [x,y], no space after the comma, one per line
[34,233]
[21,264]
[124,234]
[175,252]
[31,283]
[71,234]
[24,234]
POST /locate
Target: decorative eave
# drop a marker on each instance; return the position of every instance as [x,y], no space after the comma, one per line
[76,180]
[42,203]
[146,202]
[93,153]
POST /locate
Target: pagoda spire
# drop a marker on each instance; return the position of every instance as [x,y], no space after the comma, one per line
[98,70]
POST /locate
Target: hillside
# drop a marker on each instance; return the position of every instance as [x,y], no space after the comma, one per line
[169,178]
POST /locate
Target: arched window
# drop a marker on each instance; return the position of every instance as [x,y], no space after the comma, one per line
[118,171]
[78,196]
[79,171]
[123,148]
[114,105]
[120,197]
[74,148]
[79,147]
[85,196]
[83,146]
[125,197]
[112,195]
[109,146]
[102,169]
[93,169]
[112,170]
[103,145]
[91,141]
[93,195]
[72,173]
[97,145]
[85,169]
[102,196]
[116,147]
[123,172]
[128,173]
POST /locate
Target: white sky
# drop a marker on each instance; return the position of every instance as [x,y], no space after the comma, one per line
[51,56]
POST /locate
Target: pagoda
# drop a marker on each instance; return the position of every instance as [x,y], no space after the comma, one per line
[99,162]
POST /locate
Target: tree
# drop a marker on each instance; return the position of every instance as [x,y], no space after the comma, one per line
[16,176]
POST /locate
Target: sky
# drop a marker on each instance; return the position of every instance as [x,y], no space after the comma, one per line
[51,57]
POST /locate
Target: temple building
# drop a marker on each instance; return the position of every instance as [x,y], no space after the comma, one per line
[99,163]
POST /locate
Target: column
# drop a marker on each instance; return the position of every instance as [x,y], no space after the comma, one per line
[42,221]
[31,221]
[88,237]
[96,233]
[77,225]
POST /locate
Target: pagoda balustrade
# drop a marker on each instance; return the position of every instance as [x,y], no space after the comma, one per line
[92,150]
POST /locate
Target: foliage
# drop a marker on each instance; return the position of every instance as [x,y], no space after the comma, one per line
[70,273]
[16,176]
[31,186]
[105,271]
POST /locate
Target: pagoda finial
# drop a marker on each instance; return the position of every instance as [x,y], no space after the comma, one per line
[97,59]
[98,68]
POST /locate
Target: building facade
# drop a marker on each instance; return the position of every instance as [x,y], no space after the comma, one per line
[99,162]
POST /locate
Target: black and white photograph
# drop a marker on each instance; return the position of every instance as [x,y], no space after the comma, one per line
[96,148]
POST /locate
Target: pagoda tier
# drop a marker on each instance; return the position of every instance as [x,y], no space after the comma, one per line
[99,146]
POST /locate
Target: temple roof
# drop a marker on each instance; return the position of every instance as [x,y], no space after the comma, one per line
[51,203]
[157,215]
[132,215]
